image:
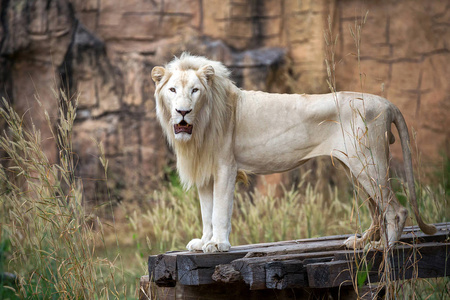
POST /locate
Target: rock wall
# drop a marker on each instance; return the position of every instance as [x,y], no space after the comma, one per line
[103,51]
[404,57]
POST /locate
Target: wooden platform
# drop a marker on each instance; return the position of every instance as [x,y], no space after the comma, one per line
[294,269]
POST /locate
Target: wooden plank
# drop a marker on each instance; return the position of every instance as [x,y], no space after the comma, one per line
[445,226]
[331,274]
[424,261]
[194,268]
[406,261]
[151,266]
[198,268]
[226,274]
[283,274]
[419,237]
[316,245]
[253,270]
[291,242]
[301,247]
[165,269]
[248,267]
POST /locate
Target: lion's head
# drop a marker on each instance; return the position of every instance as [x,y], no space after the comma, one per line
[182,95]
[194,108]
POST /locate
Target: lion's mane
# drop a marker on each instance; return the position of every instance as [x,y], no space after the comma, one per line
[196,158]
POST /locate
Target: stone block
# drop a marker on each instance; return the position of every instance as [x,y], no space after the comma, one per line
[182,7]
[89,19]
[108,100]
[215,19]
[240,29]
[375,75]
[414,31]
[272,8]
[88,94]
[241,11]
[130,6]
[404,84]
[271,27]
[131,66]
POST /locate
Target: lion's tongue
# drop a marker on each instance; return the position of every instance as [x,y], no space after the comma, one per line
[183,127]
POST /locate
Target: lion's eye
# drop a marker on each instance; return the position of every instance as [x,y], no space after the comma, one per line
[173,90]
[195,90]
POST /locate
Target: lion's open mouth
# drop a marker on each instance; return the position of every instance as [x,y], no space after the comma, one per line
[183,126]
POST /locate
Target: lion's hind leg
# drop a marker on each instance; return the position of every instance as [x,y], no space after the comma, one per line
[388,215]
[371,234]
[371,171]
[391,215]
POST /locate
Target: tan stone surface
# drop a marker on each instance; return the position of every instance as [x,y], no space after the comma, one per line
[404,57]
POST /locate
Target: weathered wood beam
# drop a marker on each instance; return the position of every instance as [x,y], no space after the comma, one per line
[254,269]
[298,247]
[405,262]
[284,274]
[198,268]
[277,265]
[163,269]
[226,274]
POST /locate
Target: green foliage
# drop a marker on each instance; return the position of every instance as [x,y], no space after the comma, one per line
[362,274]
[7,285]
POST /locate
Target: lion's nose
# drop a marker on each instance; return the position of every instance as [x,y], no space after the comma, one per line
[183,112]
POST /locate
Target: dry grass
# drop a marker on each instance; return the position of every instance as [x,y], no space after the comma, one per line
[171,218]
[53,245]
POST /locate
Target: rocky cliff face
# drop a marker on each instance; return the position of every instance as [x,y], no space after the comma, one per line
[103,52]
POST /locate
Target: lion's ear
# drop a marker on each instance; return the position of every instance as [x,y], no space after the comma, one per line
[206,72]
[158,74]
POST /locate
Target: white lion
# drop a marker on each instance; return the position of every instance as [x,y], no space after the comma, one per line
[220,132]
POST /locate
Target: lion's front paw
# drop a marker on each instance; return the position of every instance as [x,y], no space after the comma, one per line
[211,247]
[354,242]
[195,245]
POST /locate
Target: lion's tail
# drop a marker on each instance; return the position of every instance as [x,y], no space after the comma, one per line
[402,128]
